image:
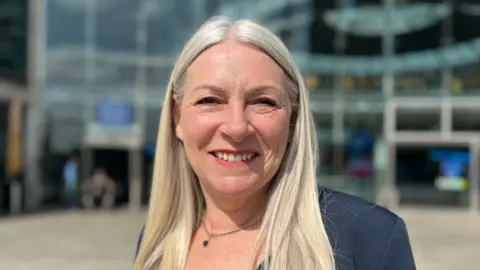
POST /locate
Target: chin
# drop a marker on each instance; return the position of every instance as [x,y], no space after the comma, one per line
[235,185]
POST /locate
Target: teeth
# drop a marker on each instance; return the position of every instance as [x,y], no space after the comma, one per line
[233,157]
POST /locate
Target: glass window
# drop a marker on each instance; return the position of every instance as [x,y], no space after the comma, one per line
[418,83]
[466,120]
[324,127]
[418,120]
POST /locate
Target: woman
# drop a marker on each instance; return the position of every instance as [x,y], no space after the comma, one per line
[234,180]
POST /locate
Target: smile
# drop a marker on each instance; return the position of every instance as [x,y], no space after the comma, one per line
[234,157]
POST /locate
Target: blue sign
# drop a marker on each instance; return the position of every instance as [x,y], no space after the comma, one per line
[114,113]
[360,154]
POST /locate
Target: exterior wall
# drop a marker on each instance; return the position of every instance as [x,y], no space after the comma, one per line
[125,51]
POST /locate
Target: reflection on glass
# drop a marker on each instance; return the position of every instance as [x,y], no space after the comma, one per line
[418,120]
[466,120]
[346,84]
[360,84]
[465,84]
[466,80]
[320,83]
[324,125]
[418,82]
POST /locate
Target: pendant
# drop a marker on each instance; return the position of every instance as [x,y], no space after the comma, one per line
[205,243]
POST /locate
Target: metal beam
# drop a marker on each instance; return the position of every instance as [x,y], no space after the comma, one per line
[59,56]
[436,102]
[433,137]
[9,90]
[416,103]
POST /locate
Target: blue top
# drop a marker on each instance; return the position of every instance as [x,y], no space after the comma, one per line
[364,236]
[70,172]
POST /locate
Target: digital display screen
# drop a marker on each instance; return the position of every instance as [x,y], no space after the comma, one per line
[452,169]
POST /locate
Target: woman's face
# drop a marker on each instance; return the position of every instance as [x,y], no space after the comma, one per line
[234,119]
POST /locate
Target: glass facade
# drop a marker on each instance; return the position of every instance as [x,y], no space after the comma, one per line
[13,41]
[358,57]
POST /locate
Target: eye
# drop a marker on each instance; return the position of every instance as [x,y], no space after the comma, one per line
[207,100]
[267,102]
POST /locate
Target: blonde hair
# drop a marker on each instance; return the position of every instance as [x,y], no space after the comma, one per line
[295,236]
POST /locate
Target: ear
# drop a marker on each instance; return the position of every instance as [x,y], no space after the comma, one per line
[176,115]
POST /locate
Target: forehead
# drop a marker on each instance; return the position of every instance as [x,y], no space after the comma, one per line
[235,64]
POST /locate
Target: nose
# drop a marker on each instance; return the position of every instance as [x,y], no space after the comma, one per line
[236,125]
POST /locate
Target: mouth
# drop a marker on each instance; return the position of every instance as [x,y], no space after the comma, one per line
[234,157]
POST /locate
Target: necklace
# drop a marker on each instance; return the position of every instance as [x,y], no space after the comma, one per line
[210,235]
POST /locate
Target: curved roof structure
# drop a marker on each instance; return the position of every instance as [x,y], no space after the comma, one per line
[369,21]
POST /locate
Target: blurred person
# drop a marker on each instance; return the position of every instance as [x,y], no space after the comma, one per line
[234,180]
[70,180]
[98,191]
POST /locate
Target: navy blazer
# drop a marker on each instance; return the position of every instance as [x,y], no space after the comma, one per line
[364,236]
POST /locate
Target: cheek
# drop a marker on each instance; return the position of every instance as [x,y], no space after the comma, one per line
[197,129]
[274,132]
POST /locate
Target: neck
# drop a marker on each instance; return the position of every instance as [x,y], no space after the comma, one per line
[221,215]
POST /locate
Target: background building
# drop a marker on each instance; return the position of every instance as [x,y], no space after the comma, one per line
[390,82]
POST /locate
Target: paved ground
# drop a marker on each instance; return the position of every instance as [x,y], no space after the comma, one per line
[442,240]
[73,241]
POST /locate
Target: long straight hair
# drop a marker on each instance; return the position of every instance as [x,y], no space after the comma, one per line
[295,236]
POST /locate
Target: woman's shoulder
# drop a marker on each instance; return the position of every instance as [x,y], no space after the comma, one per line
[351,214]
[365,233]
[342,205]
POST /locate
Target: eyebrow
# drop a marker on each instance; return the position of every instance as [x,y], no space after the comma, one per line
[219,90]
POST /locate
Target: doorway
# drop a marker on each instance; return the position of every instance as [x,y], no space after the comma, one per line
[116,164]
[419,168]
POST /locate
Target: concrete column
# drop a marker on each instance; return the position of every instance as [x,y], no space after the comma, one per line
[36,108]
[140,91]
[447,41]
[136,179]
[338,133]
[388,194]
[388,50]
[474,174]
[446,118]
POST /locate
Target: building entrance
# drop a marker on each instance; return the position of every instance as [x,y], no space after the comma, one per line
[116,165]
[434,163]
